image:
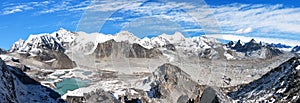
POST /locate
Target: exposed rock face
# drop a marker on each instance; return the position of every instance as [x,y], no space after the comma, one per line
[170,47]
[2,51]
[57,41]
[279,45]
[62,61]
[17,87]
[98,96]
[17,45]
[253,49]
[112,48]
[170,85]
[137,51]
[250,46]
[210,53]
[296,49]
[214,95]
[45,48]
[230,44]
[14,62]
[55,59]
[36,43]
[278,85]
[238,45]
[65,37]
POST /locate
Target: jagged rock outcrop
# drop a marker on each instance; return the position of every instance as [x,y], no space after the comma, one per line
[238,45]
[97,96]
[65,37]
[47,48]
[214,95]
[138,51]
[210,53]
[61,61]
[35,44]
[296,49]
[252,49]
[2,51]
[281,84]
[170,47]
[252,45]
[279,45]
[54,59]
[57,41]
[17,87]
[112,48]
[230,44]
[17,45]
[100,96]
[15,62]
[170,85]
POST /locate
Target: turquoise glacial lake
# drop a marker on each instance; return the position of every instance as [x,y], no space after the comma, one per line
[70,84]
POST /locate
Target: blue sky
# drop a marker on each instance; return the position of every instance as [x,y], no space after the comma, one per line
[277,19]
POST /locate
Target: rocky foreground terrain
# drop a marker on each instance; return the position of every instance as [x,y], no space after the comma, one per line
[17,87]
[76,67]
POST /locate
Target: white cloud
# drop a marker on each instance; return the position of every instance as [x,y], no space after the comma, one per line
[11,8]
[12,11]
[115,18]
[264,18]
[108,5]
[150,25]
[244,31]
[254,19]
[233,18]
[15,9]
[45,7]
[67,6]
[193,30]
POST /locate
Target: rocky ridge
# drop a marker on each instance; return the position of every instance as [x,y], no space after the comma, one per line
[278,85]
[296,49]
[252,49]
[2,51]
[17,87]
[115,49]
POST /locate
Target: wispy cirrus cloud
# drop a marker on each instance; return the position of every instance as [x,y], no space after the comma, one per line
[15,9]
[67,6]
[45,7]
[132,11]
[261,18]
[244,31]
[252,20]
[11,8]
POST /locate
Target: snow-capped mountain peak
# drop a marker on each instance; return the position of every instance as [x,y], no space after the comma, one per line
[126,36]
[35,43]
[18,44]
[238,44]
[63,35]
[296,49]
[252,41]
[178,35]
[67,41]
[175,38]
[146,42]
[62,30]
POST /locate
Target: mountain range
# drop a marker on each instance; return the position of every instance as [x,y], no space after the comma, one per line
[165,68]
